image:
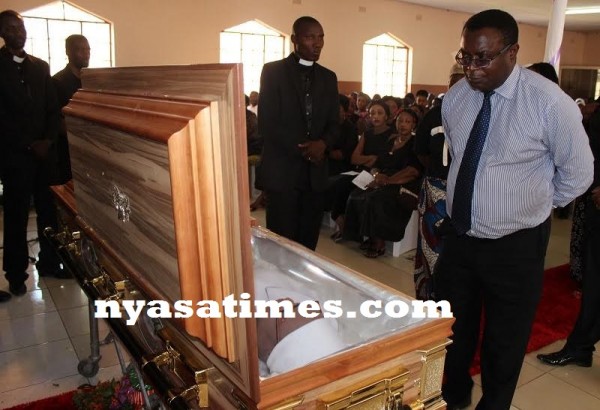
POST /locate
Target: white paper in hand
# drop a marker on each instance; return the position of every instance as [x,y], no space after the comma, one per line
[363,179]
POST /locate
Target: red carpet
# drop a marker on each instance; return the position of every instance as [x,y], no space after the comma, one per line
[61,402]
[556,314]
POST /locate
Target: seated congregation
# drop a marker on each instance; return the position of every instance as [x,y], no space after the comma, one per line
[380,212]
[376,136]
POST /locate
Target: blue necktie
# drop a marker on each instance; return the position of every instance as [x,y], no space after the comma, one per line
[465,180]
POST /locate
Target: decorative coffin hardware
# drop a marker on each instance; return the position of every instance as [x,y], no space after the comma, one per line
[159,212]
[431,376]
[121,203]
[383,394]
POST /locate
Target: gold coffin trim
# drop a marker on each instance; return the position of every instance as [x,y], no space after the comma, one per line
[385,393]
[430,395]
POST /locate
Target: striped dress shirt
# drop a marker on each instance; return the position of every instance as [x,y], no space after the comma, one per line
[536,154]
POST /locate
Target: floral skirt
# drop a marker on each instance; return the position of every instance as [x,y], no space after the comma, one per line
[432,210]
[578,238]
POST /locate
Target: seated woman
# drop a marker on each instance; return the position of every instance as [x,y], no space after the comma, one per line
[382,211]
[340,184]
[341,188]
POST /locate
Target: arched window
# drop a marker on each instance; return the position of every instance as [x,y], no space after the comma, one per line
[385,66]
[48,26]
[253,44]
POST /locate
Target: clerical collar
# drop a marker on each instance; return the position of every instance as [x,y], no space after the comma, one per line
[302,61]
[18,59]
[306,62]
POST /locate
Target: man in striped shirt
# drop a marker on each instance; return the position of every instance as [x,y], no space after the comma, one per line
[524,151]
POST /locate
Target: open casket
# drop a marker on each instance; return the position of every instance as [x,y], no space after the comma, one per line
[159,211]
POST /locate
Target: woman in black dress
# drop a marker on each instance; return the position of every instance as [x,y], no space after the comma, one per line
[381,212]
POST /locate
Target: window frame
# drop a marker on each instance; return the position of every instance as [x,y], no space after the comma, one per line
[52,44]
[252,70]
[399,82]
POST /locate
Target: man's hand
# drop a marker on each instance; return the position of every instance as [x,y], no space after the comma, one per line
[40,148]
[313,151]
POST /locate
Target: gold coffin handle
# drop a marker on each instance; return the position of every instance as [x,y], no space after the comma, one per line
[198,392]
[385,394]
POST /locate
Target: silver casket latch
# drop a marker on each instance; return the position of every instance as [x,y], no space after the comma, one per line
[121,204]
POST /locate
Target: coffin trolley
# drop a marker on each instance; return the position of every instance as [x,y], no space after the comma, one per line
[159,211]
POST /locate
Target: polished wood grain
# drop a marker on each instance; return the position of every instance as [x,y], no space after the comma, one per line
[65,194]
[104,158]
[207,82]
[191,238]
[148,118]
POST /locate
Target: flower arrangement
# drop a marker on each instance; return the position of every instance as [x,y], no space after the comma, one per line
[124,394]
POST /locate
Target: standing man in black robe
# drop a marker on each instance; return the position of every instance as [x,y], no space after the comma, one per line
[298,120]
[67,82]
[29,119]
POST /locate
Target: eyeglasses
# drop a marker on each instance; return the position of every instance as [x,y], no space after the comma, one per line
[467,60]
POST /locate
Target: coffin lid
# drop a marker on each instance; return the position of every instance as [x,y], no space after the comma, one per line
[166,147]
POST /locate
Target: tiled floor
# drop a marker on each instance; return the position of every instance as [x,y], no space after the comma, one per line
[45,333]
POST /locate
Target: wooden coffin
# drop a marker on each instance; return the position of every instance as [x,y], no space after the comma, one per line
[159,211]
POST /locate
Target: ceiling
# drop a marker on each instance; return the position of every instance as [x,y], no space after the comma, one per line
[535,12]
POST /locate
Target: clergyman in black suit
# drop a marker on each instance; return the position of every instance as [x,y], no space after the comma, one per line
[299,109]
[29,120]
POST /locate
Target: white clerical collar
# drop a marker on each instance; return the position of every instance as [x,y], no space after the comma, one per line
[18,59]
[306,62]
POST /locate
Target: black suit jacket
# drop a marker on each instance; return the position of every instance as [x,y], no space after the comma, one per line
[282,124]
[28,107]
[28,112]
[66,84]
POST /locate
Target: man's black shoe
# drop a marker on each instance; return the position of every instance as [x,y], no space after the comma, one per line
[17,289]
[460,405]
[4,296]
[563,358]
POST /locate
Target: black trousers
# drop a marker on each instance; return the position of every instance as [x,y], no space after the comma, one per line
[586,332]
[296,215]
[503,278]
[24,177]
[339,189]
